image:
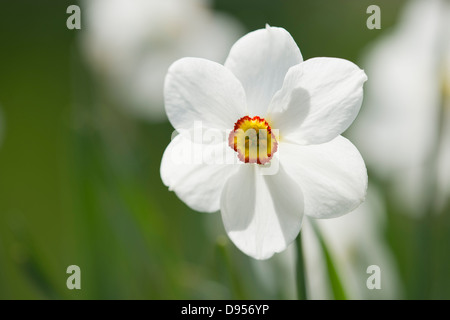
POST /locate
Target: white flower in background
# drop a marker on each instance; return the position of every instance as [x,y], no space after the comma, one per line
[278,274]
[265,85]
[355,242]
[398,130]
[131,43]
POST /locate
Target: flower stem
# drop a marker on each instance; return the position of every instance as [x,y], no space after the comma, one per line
[301,285]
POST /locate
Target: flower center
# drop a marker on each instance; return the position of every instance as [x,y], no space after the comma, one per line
[253,140]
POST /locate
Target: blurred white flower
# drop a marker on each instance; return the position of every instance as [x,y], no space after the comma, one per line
[278,274]
[131,44]
[310,103]
[355,241]
[398,130]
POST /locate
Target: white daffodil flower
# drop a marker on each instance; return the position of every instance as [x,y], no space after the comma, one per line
[398,130]
[280,120]
[131,44]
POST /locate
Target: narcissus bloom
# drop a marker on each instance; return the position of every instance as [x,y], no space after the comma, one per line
[276,152]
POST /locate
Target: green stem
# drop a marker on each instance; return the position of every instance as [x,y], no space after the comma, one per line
[301,285]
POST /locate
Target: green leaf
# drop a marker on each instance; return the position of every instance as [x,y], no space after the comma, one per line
[335,282]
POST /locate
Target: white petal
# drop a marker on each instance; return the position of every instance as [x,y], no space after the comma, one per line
[262,214]
[332,176]
[201,90]
[290,105]
[319,100]
[197,172]
[260,61]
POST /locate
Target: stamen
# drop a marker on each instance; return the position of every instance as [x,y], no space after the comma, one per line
[253,140]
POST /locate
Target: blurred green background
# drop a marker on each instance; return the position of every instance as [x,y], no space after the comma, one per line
[80,183]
